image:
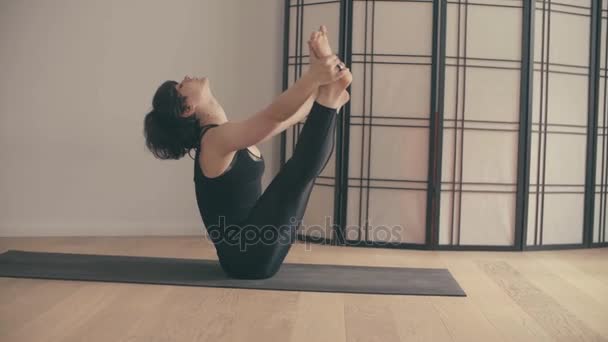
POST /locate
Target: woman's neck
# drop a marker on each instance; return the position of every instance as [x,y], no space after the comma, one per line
[214,115]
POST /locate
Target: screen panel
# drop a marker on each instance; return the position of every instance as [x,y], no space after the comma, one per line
[389,121]
[559,123]
[481,123]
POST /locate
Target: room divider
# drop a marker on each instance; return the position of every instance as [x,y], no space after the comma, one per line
[473,125]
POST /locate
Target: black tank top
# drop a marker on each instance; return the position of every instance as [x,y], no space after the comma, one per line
[233,193]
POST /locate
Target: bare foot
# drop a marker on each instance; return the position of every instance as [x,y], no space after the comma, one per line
[320,43]
[333,95]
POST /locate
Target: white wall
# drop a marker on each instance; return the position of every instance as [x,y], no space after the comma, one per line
[78,77]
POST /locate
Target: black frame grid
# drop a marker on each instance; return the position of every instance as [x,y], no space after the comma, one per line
[436,121]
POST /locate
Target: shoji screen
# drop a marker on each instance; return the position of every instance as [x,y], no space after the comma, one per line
[559,122]
[601,175]
[481,122]
[389,121]
[306,16]
[509,158]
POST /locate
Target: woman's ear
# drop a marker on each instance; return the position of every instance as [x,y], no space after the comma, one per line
[188,111]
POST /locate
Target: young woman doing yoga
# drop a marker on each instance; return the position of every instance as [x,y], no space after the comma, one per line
[252,231]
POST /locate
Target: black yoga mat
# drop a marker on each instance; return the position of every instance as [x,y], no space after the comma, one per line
[194,272]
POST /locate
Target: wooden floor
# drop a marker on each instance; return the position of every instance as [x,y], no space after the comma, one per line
[512,296]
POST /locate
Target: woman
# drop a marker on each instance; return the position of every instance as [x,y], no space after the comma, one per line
[252,232]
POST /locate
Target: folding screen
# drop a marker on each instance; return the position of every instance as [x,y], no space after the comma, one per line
[471,124]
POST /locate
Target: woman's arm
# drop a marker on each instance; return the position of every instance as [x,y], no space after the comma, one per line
[298,116]
[238,134]
[283,112]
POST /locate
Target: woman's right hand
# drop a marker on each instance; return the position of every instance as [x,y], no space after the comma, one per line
[325,69]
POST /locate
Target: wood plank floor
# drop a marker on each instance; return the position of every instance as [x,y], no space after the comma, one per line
[512,296]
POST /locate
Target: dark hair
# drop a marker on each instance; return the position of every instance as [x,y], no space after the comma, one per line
[168,134]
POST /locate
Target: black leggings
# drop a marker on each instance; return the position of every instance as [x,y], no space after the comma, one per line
[265,237]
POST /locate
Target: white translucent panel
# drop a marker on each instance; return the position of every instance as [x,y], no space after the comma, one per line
[532,232]
[454,80]
[569,32]
[359,104]
[563,219]
[319,216]
[314,16]
[448,217]
[489,94]
[402,90]
[583,3]
[397,216]
[315,2]
[398,28]
[452,31]
[400,153]
[599,221]
[603,42]
[493,32]
[358,152]
[489,157]
[567,102]
[359,30]
[487,219]
[565,159]
[602,108]
[355,213]
[601,160]
[451,155]
[569,39]
[539,42]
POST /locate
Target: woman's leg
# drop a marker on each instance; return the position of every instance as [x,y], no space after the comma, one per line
[267,235]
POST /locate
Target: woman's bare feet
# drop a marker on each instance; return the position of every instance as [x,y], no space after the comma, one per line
[333,95]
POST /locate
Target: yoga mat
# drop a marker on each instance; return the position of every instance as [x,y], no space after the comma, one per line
[195,272]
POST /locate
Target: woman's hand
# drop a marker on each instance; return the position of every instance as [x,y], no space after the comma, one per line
[325,69]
